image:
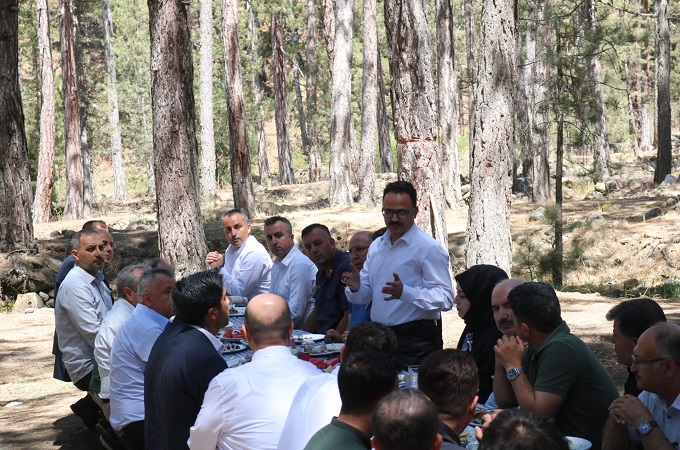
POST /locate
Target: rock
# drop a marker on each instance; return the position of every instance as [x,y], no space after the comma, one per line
[594,195]
[53,264]
[55,233]
[631,283]
[594,219]
[537,214]
[653,235]
[44,296]
[652,213]
[612,184]
[51,293]
[50,303]
[670,201]
[68,234]
[26,301]
[670,253]
[600,187]
[606,207]
[634,183]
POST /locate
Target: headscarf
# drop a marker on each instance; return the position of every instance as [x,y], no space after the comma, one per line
[477,283]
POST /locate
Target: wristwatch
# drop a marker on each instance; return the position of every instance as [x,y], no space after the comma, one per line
[514,373]
[646,427]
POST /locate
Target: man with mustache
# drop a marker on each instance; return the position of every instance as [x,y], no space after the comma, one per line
[81,304]
[245,266]
[293,274]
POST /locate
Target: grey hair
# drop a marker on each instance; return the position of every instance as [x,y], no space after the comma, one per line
[75,240]
[126,278]
[240,211]
[149,276]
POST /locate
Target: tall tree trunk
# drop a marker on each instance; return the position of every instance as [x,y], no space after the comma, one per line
[446,104]
[646,119]
[300,107]
[523,132]
[557,275]
[369,107]
[540,167]
[16,225]
[471,46]
[488,229]
[45,176]
[341,98]
[119,189]
[83,101]
[205,87]
[663,74]
[241,180]
[262,159]
[180,226]
[74,158]
[415,120]
[286,174]
[386,159]
[311,82]
[632,110]
[147,151]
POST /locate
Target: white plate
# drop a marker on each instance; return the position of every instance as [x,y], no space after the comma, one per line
[326,350]
[577,443]
[300,338]
[233,347]
[240,311]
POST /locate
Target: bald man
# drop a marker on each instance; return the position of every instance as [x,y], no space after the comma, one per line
[246,407]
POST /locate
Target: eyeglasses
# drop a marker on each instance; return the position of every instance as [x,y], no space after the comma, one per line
[401,213]
[636,361]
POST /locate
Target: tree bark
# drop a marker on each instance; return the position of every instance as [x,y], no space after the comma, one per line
[311,82]
[386,158]
[341,98]
[415,122]
[541,118]
[300,107]
[471,46]
[369,107]
[74,158]
[148,149]
[262,159]
[663,74]
[632,117]
[45,175]
[286,174]
[16,225]
[119,189]
[83,92]
[525,106]
[446,104]
[488,238]
[205,87]
[241,180]
[180,226]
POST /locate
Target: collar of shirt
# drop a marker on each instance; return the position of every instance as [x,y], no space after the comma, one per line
[157,317]
[406,237]
[273,351]
[231,250]
[289,257]
[213,339]
[561,329]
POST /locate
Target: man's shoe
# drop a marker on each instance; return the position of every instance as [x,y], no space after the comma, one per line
[87,410]
[108,437]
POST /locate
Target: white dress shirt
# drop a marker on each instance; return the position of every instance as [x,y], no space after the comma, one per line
[293,278]
[668,417]
[315,404]
[247,271]
[82,302]
[129,355]
[246,407]
[423,267]
[104,341]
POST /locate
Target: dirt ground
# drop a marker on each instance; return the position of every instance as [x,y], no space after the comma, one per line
[43,419]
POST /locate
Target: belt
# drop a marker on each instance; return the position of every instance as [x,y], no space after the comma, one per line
[414,325]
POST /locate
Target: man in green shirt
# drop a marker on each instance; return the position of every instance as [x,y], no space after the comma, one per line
[557,376]
[364,379]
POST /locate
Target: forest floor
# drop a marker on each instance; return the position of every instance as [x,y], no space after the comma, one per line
[619,243]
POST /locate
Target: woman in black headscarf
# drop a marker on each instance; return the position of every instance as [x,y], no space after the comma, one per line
[473,301]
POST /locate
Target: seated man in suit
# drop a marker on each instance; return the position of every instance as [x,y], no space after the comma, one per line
[184,360]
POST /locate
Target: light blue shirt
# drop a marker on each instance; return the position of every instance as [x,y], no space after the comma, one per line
[293,278]
[82,302]
[112,322]
[423,267]
[247,271]
[129,355]
[667,416]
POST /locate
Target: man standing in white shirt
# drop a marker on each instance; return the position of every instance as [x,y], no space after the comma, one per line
[246,407]
[81,304]
[127,282]
[406,276]
[293,273]
[130,353]
[245,266]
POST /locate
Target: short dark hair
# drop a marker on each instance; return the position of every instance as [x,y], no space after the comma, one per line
[636,315]
[370,336]
[272,220]
[194,295]
[160,262]
[90,225]
[240,211]
[75,240]
[537,305]
[149,276]
[516,429]
[451,379]
[402,187]
[364,378]
[260,331]
[309,228]
[377,233]
[405,420]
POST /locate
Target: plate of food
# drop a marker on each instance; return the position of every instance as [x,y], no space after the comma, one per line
[229,333]
[233,347]
[237,311]
[577,443]
[468,439]
[309,337]
[324,349]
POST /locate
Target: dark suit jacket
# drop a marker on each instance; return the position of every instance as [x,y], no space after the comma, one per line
[181,365]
